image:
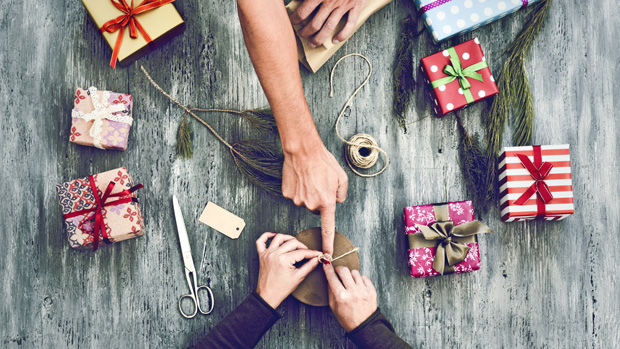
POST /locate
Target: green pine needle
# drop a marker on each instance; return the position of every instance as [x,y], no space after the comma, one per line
[261,163]
[474,167]
[185,147]
[261,119]
[404,82]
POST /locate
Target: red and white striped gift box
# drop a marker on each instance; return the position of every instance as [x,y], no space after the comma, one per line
[522,197]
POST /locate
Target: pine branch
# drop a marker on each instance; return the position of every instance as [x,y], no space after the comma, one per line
[261,163]
[261,119]
[185,147]
[404,81]
[473,166]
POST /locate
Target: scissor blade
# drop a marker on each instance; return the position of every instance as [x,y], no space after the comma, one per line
[186,249]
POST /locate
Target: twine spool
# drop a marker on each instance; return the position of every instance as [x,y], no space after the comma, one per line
[361,150]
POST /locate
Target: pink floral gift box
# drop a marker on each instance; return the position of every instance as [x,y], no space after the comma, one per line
[101,208]
[101,119]
[443,238]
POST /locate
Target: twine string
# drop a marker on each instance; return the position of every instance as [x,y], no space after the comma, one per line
[362,150]
[324,257]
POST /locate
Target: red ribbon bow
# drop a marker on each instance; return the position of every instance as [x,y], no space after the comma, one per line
[539,170]
[125,197]
[128,17]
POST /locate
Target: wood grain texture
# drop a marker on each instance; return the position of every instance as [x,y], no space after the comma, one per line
[541,285]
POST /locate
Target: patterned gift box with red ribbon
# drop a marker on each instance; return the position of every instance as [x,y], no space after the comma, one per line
[458,77]
[535,183]
[133,28]
[423,251]
[101,119]
[102,208]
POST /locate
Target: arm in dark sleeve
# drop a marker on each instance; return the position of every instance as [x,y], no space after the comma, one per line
[243,327]
[376,332]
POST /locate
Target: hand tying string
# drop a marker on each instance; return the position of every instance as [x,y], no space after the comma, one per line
[327,259]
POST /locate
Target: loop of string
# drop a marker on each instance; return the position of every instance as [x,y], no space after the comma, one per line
[324,257]
[362,150]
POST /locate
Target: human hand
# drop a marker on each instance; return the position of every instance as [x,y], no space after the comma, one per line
[314,179]
[354,299]
[324,21]
[278,277]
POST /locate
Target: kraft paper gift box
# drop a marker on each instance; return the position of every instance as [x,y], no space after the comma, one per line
[458,77]
[315,58]
[535,182]
[133,31]
[447,18]
[443,238]
[101,208]
[101,119]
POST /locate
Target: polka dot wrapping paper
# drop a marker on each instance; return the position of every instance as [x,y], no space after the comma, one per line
[454,95]
[447,18]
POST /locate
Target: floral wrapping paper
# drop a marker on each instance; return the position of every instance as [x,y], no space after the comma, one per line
[450,97]
[122,222]
[421,259]
[114,134]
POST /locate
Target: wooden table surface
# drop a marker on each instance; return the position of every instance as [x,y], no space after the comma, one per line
[542,284]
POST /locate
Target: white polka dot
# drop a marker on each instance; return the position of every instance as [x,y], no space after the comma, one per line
[422,67]
[517,1]
[474,17]
[488,11]
[484,58]
[434,68]
[426,80]
[460,23]
[482,0]
[492,78]
[449,106]
[435,110]
[441,15]
[429,21]
[442,88]
[447,29]
[481,93]
[501,5]
[468,4]
[465,56]
[477,41]
[445,53]
[460,91]
[435,35]
[436,103]
[454,9]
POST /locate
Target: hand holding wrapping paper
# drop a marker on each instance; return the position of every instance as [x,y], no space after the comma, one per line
[314,58]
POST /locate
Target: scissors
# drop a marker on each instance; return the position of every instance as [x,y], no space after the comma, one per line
[186,251]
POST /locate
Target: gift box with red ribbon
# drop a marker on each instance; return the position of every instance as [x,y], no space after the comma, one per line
[132,29]
[458,77]
[443,238]
[101,119]
[102,208]
[535,183]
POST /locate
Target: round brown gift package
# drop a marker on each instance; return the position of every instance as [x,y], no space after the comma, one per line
[313,290]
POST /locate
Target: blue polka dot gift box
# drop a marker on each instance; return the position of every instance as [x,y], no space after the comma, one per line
[447,18]
[458,77]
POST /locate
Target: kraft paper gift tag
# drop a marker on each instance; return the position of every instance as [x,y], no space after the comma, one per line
[314,289]
[314,58]
[222,220]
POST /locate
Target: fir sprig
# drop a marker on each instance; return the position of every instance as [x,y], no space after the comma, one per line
[473,165]
[404,82]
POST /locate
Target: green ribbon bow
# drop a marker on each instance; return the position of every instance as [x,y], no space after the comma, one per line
[456,71]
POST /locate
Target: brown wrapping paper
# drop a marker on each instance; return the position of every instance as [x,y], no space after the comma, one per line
[314,58]
[314,289]
[161,24]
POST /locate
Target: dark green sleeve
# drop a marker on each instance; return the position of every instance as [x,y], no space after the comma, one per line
[243,327]
[376,332]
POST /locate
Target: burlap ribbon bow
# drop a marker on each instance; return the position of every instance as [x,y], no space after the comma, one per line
[449,240]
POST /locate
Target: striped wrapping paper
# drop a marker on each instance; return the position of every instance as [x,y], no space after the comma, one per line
[515,179]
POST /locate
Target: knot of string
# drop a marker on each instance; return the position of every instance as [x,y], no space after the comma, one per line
[362,150]
[324,257]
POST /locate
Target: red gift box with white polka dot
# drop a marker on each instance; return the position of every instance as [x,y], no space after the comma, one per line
[450,97]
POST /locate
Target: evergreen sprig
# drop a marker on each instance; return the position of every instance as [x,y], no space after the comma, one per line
[404,82]
[261,163]
[185,147]
[473,166]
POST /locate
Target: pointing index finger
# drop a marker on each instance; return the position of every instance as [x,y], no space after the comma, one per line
[328,228]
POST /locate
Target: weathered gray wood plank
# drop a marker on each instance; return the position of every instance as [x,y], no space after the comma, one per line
[541,285]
